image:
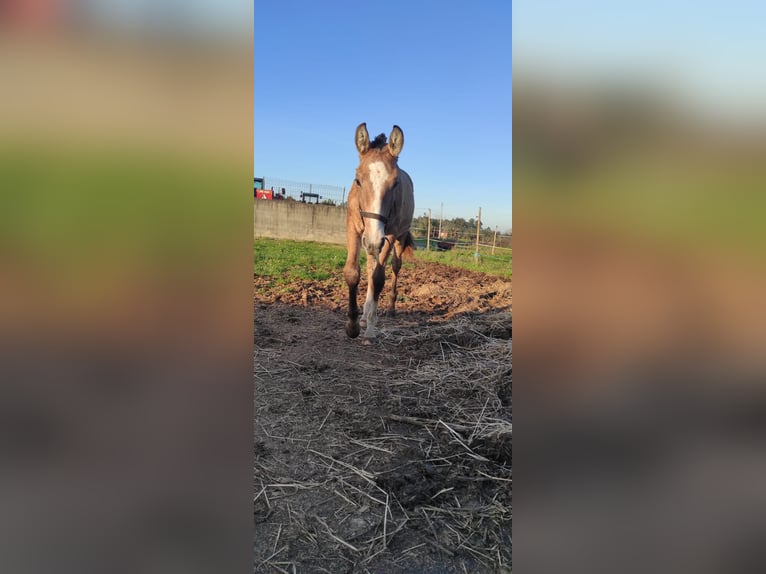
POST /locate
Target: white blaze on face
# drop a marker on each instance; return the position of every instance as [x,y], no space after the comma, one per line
[374,228]
[378,177]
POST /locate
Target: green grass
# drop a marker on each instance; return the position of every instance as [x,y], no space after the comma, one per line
[287,261]
[92,206]
[694,206]
[501,263]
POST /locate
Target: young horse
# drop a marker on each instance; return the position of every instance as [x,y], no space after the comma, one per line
[380,208]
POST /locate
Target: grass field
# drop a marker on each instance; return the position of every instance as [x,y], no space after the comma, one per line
[101,206]
[286,261]
[500,264]
[708,204]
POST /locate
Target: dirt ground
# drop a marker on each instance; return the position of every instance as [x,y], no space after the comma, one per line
[388,458]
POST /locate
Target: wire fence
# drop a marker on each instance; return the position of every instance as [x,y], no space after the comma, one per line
[449,233]
[495,247]
[300,191]
[499,242]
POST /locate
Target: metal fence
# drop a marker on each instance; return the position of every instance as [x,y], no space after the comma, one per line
[490,246]
[497,242]
[468,236]
[306,192]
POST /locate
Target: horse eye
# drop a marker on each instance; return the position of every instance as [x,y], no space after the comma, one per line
[359,183]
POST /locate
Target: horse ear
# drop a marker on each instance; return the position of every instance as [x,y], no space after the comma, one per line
[396,141]
[362,138]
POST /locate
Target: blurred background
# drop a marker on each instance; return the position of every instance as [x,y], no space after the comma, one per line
[639,172]
[125,286]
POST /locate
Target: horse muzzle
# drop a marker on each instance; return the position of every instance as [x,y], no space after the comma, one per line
[373,247]
[373,239]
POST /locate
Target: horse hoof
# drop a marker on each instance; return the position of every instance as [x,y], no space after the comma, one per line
[366,341]
[352,329]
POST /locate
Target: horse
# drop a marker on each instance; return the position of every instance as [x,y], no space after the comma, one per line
[381,203]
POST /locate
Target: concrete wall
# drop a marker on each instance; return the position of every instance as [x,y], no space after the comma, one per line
[299,221]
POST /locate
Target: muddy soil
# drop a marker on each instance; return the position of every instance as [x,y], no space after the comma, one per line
[394,457]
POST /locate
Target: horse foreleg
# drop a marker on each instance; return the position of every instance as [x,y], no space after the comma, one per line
[377,278]
[396,265]
[351,275]
[369,300]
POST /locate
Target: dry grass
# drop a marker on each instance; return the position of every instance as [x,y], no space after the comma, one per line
[396,458]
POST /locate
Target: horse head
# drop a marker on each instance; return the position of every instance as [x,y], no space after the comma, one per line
[376,176]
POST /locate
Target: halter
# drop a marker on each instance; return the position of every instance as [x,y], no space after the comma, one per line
[371,215]
[378,216]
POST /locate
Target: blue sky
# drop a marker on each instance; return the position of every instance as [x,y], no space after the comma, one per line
[439,70]
[709,53]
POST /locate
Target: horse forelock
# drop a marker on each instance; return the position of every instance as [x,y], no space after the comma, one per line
[378,142]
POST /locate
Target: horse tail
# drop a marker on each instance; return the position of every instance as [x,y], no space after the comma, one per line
[409,247]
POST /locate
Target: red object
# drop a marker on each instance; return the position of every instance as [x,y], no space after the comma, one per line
[32,14]
[264,194]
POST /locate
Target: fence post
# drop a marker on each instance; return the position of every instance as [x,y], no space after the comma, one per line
[428,236]
[494,240]
[478,230]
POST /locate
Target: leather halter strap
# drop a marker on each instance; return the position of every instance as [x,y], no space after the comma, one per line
[372,215]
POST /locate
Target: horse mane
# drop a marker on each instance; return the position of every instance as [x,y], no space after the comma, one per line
[378,142]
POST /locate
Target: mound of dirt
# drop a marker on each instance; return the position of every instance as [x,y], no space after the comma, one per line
[424,288]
